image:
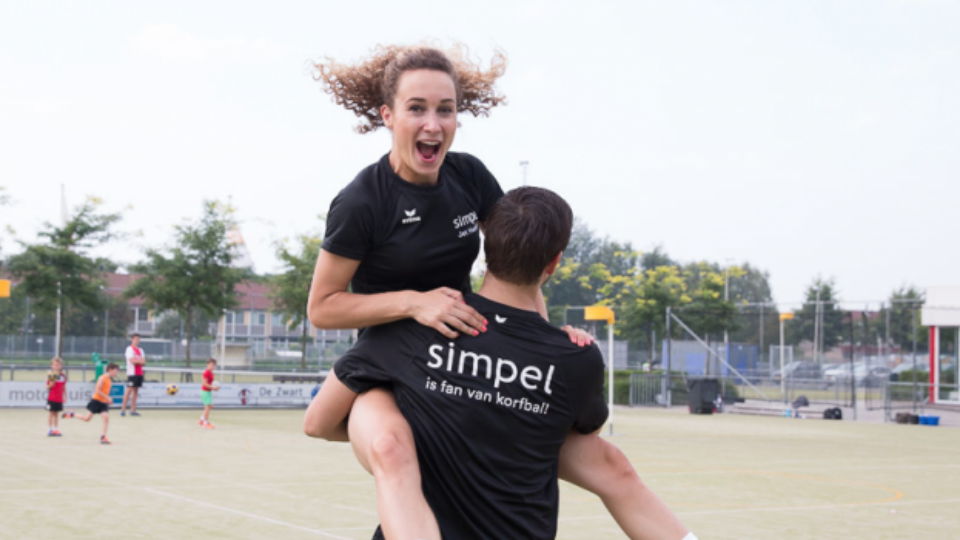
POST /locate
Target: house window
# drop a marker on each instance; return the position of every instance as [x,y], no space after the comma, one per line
[143,314]
[259,318]
[229,317]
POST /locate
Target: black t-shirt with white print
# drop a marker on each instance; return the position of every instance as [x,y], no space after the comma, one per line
[488,414]
[408,236]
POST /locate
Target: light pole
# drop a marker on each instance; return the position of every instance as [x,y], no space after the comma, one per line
[524,165]
[604,313]
[783,347]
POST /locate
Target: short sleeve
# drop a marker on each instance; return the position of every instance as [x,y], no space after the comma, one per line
[489,189]
[379,355]
[591,410]
[350,224]
[358,374]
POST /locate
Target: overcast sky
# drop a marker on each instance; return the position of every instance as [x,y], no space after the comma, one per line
[806,138]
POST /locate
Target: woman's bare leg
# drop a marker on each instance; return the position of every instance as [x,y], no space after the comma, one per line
[384,445]
[601,468]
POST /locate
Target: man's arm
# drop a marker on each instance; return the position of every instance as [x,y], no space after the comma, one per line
[598,466]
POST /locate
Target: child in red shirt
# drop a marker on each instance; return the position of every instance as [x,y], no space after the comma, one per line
[56,392]
[206,393]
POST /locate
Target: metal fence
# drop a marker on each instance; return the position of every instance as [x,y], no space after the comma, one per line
[330,343]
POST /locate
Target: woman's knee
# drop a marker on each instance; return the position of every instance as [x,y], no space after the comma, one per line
[391,454]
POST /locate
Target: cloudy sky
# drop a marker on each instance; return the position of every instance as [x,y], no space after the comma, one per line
[807,138]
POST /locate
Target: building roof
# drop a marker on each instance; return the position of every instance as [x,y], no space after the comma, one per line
[251,295]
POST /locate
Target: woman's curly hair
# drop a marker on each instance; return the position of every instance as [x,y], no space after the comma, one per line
[364,87]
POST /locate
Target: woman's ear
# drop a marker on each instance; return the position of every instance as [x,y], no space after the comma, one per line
[387,116]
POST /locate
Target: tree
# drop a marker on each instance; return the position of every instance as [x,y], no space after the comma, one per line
[171,326]
[831,332]
[708,313]
[587,263]
[750,291]
[290,289]
[643,298]
[58,271]
[195,276]
[904,322]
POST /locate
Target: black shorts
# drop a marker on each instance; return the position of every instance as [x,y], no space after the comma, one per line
[134,381]
[97,407]
[54,406]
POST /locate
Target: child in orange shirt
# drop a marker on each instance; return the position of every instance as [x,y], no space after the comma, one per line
[56,392]
[100,404]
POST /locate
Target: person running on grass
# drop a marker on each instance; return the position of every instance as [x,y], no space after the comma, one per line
[100,403]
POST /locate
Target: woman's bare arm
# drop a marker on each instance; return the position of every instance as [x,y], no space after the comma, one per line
[331,306]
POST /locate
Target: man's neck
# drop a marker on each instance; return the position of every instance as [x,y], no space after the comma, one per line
[523,297]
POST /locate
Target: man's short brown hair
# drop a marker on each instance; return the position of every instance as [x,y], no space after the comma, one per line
[527,228]
[111,365]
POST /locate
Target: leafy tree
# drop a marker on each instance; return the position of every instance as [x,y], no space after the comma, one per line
[195,276]
[656,258]
[58,270]
[587,263]
[170,326]
[708,313]
[750,287]
[13,311]
[832,330]
[290,289]
[643,297]
[903,302]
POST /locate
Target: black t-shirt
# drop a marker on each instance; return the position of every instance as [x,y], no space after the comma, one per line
[408,236]
[488,414]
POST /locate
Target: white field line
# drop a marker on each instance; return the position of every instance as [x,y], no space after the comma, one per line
[648,473]
[356,509]
[246,514]
[839,506]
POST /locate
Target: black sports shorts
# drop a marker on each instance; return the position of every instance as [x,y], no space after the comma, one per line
[54,406]
[97,407]
[135,381]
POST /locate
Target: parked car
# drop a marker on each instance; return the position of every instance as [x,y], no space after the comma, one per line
[800,370]
[922,365]
[838,373]
[863,374]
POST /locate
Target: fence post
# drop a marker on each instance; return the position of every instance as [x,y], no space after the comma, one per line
[665,383]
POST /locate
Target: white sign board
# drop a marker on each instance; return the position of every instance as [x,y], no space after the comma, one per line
[34,394]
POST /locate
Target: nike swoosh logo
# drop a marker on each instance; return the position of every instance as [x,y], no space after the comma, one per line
[410,213]
[500,319]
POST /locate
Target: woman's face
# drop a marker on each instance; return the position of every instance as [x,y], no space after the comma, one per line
[423,119]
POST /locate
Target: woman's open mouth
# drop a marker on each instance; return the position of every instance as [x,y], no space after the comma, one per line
[429,150]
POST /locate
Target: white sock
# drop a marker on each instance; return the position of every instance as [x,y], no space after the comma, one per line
[689,536]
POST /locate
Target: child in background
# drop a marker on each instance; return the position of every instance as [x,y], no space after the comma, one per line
[206,393]
[56,387]
[100,404]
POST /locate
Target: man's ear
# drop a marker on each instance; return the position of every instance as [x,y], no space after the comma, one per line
[387,116]
[553,264]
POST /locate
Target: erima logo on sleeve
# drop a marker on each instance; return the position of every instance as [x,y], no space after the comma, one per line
[412,216]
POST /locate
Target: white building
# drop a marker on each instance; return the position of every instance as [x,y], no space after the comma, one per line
[941,313]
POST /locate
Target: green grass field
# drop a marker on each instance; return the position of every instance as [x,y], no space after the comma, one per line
[256,476]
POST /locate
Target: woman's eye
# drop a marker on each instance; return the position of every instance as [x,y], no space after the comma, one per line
[416,108]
